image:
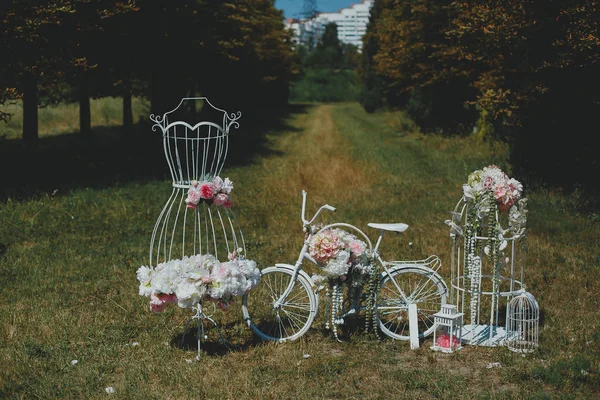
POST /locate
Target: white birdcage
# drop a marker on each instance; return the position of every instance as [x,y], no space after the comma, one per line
[195,153]
[522,323]
[448,329]
[488,261]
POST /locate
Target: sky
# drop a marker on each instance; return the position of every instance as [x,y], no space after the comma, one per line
[294,8]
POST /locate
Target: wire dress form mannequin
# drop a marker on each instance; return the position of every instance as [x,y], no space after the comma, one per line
[195,153]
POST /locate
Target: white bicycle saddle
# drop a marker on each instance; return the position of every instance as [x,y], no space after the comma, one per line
[400,227]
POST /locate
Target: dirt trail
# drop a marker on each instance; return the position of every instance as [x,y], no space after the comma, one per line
[318,159]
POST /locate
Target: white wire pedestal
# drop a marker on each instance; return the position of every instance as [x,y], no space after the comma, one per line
[480,288]
[202,319]
[195,152]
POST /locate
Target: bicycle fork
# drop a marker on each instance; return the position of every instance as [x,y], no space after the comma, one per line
[281,300]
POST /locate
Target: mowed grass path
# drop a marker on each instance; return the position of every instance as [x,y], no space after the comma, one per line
[68,289]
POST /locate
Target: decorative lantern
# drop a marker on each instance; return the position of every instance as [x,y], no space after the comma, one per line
[448,329]
[522,324]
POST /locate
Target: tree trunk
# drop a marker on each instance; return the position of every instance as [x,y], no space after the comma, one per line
[30,113]
[85,119]
[127,107]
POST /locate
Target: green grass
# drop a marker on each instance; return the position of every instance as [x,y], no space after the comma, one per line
[326,85]
[68,289]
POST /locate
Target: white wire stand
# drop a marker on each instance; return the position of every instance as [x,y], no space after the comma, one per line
[195,152]
[202,331]
[483,292]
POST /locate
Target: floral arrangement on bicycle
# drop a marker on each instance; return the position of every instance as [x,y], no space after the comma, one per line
[341,255]
[344,260]
[197,278]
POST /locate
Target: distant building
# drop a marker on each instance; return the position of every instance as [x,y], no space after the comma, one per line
[351,25]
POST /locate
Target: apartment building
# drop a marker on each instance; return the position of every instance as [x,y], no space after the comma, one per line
[351,24]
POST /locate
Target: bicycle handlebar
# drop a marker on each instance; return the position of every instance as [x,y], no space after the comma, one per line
[324,207]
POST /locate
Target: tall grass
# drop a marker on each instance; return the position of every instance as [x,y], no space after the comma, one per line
[68,289]
[57,120]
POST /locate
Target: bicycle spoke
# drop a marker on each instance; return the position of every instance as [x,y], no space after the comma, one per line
[294,315]
[422,288]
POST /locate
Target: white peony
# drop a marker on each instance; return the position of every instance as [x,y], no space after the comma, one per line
[251,273]
[144,276]
[227,186]
[167,279]
[338,266]
[228,280]
[190,292]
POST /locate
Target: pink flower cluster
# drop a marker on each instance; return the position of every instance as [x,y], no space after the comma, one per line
[158,302]
[507,193]
[325,246]
[216,191]
[493,180]
[338,253]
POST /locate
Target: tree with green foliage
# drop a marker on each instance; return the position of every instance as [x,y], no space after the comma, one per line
[25,28]
[329,70]
[525,68]
[229,51]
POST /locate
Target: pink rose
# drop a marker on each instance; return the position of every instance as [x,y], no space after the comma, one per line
[158,307]
[324,246]
[193,197]
[159,302]
[167,298]
[221,199]
[207,191]
[357,248]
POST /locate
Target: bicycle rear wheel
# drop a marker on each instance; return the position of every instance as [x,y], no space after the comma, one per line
[292,318]
[422,287]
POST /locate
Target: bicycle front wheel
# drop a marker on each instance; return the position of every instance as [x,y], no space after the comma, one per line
[422,287]
[288,321]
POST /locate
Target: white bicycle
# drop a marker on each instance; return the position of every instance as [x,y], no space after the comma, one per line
[285,303]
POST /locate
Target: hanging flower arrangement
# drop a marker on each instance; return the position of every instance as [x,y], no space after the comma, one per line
[211,191]
[197,278]
[344,260]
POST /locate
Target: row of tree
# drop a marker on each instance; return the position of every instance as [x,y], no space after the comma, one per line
[522,70]
[228,50]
